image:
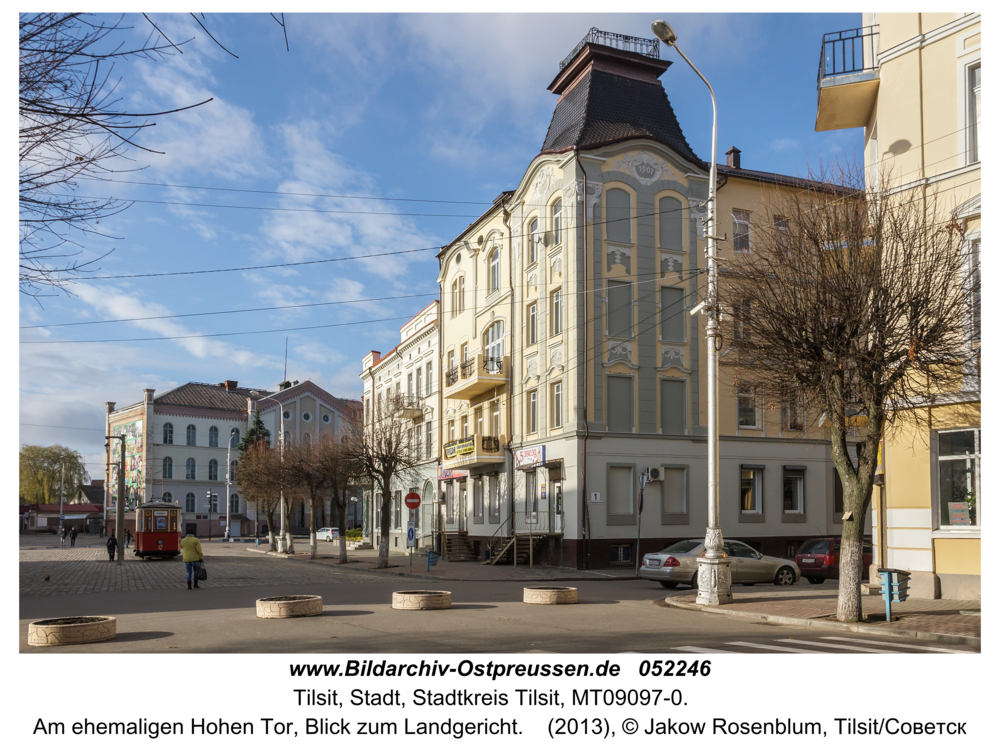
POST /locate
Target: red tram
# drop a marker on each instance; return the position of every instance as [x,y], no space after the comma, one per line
[157,530]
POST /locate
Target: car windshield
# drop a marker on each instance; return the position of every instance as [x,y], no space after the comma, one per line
[815,547]
[686,546]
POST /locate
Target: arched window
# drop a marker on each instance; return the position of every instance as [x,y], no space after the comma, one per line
[234,503]
[167,497]
[168,434]
[671,223]
[213,437]
[618,214]
[493,343]
[287,437]
[192,435]
[495,271]
[189,503]
[168,468]
[557,222]
[189,469]
[213,470]
[533,242]
[306,439]
[232,471]
[234,438]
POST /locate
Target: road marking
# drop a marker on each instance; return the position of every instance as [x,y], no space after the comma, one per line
[907,646]
[703,650]
[777,649]
[840,646]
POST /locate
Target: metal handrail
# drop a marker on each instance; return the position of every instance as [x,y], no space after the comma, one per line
[491,444]
[468,368]
[648,47]
[535,522]
[847,51]
[493,365]
[452,376]
[497,540]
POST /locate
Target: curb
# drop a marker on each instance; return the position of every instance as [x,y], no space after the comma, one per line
[971,641]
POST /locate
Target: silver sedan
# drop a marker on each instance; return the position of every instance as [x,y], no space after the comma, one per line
[678,564]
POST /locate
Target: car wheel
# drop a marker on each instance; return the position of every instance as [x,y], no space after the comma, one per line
[784,577]
[694,580]
[667,584]
[816,579]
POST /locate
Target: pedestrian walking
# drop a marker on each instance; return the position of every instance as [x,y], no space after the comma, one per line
[62,537]
[72,537]
[191,547]
[112,547]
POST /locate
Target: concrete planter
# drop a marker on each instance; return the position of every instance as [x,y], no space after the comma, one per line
[424,599]
[550,595]
[55,632]
[293,606]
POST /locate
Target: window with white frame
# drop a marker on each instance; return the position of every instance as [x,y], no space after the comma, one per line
[557,222]
[794,490]
[168,468]
[741,231]
[168,434]
[532,324]
[747,408]
[214,505]
[420,387]
[192,435]
[167,497]
[975,81]
[557,312]
[557,405]
[213,437]
[494,271]
[430,377]
[792,412]
[751,489]
[213,470]
[189,503]
[234,438]
[958,461]
[430,441]
[454,297]
[533,242]
[782,239]
[532,411]
[234,503]
[493,340]
[232,471]
[190,469]
[530,489]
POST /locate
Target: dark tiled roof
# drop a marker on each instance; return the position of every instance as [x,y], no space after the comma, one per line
[603,108]
[203,395]
[783,180]
[94,493]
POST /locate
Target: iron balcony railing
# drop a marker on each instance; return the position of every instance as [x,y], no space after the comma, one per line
[468,368]
[452,376]
[848,51]
[493,365]
[491,444]
[537,522]
[648,47]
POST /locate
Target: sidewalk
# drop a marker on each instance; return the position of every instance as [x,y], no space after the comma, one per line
[47,541]
[399,565]
[937,620]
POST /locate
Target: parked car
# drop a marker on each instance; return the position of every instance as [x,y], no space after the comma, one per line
[819,559]
[328,533]
[678,564]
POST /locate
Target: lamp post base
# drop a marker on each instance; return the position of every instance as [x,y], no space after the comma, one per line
[715,581]
[281,543]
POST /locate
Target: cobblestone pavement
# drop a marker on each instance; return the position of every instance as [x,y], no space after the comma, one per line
[88,570]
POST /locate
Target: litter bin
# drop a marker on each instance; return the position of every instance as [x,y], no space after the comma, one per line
[894,588]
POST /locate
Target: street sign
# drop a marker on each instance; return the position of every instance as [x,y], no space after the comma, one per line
[412,501]
[411,535]
[62,518]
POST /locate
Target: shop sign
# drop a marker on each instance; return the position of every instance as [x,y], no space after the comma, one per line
[527,458]
[462,447]
[958,514]
[451,474]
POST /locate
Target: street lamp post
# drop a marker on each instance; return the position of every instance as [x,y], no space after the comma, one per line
[282,544]
[229,478]
[714,576]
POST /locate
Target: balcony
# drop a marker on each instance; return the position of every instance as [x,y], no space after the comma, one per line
[469,452]
[847,83]
[476,376]
[411,407]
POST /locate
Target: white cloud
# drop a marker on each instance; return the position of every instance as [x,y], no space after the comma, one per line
[784,144]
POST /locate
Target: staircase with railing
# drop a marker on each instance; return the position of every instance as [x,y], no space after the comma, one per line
[519,536]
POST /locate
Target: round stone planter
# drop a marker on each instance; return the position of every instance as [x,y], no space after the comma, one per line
[423,599]
[86,629]
[550,595]
[291,606]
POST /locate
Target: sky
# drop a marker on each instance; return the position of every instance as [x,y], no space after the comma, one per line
[429,117]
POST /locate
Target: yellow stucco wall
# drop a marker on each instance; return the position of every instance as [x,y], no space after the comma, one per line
[960,556]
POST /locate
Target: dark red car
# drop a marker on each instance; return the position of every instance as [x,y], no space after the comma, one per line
[819,559]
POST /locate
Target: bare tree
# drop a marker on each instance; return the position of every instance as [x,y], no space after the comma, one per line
[305,470]
[333,456]
[259,474]
[380,448]
[854,303]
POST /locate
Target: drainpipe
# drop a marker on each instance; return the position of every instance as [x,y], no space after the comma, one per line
[510,387]
[586,382]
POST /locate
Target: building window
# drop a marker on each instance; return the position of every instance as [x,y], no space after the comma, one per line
[192,435]
[619,309]
[975,111]
[794,486]
[213,470]
[409,385]
[454,298]
[958,477]
[494,279]
[557,222]
[306,439]
[287,415]
[747,409]
[741,231]
[418,432]
[493,342]
[620,554]
[532,412]
[190,469]
[673,413]
[620,404]
[618,208]
[477,499]
[168,434]
[465,426]
[234,503]
[741,319]
[167,497]
[530,487]
[232,471]
[791,412]
[420,386]
[397,509]
[213,437]
[532,324]
[430,378]
[495,418]
[451,430]
[214,505]
[671,224]
[189,503]
[234,438]
[557,312]
[621,491]
[751,489]
[533,241]
[494,497]
[672,315]
[838,494]
[782,239]
[307,417]
[168,468]
[430,440]
[327,418]
[557,405]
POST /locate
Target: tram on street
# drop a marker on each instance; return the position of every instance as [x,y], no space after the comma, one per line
[157,530]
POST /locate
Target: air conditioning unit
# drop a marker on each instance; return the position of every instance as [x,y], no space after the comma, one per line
[654,473]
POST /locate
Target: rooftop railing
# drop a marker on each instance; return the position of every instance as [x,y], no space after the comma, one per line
[648,47]
[848,51]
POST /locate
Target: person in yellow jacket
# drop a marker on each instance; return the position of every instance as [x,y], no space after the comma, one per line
[191,548]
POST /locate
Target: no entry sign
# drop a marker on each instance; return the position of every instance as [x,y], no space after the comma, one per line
[412,500]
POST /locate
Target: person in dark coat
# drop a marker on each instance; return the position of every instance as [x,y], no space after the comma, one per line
[72,537]
[112,547]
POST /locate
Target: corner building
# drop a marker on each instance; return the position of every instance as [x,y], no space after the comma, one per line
[571,362]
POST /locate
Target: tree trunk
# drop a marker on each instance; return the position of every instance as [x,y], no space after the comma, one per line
[383,545]
[272,541]
[312,528]
[342,525]
[849,595]
[289,544]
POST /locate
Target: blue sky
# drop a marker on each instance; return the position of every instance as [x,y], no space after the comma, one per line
[415,107]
